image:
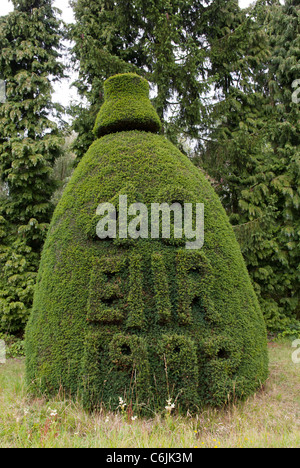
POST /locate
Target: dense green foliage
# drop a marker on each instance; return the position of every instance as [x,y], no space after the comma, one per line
[127,107]
[29,145]
[223,79]
[144,319]
[285,140]
[181,47]
[14,346]
[253,158]
[224,82]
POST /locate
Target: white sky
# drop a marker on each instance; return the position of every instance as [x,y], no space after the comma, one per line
[7,6]
[63,93]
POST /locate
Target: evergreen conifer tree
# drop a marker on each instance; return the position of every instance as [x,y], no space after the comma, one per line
[29,56]
[175,45]
[285,139]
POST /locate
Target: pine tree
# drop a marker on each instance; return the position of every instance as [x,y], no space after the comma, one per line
[29,55]
[276,271]
[253,157]
[285,139]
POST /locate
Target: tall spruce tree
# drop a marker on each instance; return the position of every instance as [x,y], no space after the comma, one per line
[29,144]
[174,44]
[237,154]
[284,72]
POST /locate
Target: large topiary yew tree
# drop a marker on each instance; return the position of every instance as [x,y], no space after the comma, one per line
[142,318]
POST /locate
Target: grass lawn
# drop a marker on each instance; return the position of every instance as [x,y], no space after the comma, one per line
[269,419]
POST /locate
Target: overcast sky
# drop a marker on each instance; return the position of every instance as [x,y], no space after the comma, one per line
[63,93]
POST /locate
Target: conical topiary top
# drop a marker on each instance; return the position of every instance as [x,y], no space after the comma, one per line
[127,106]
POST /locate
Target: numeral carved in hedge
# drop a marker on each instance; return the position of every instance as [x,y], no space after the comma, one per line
[161,287]
[128,353]
[91,367]
[179,355]
[135,298]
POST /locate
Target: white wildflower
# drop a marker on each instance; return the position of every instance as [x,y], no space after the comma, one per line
[53,412]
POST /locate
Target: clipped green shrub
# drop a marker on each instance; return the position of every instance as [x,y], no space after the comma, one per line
[145,319]
[126,106]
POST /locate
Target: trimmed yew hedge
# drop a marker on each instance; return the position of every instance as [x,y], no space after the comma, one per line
[126,106]
[142,319]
